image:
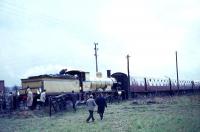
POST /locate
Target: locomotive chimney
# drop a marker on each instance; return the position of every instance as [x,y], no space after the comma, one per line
[108,73]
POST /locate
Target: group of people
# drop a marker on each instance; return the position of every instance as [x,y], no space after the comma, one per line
[100,102]
[40,101]
[8,102]
[91,103]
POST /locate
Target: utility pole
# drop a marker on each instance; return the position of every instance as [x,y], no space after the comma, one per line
[95,54]
[128,75]
[177,72]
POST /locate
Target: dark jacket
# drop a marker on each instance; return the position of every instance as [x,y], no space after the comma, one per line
[101,103]
[73,97]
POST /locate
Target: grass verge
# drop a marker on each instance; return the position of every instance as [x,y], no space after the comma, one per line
[174,114]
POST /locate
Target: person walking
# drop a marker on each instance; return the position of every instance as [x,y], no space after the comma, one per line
[90,105]
[101,103]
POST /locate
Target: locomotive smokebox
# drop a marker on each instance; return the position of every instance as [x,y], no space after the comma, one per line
[108,73]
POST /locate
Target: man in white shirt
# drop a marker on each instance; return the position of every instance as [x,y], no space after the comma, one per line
[42,98]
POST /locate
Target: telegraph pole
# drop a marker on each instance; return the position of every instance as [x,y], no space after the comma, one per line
[128,75]
[95,54]
[177,72]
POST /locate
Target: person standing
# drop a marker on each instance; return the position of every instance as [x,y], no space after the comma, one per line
[73,99]
[29,98]
[10,102]
[1,101]
[90,105]
[43,96]
[101,103]
[42,99]
[15,101]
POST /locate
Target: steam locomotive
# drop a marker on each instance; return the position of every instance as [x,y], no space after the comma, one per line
[74,80]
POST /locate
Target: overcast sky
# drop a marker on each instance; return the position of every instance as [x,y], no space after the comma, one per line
[44,36]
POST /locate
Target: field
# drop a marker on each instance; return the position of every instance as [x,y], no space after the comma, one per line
[158,114]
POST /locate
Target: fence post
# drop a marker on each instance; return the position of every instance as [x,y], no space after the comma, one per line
[145,86]
[170,86]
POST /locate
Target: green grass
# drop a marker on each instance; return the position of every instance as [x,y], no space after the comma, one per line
[176,114]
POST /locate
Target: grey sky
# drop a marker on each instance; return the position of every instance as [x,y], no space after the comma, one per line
[43,36]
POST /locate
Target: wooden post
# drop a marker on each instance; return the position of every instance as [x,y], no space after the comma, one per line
[95,48]
[145,86]
[128,95]
[170,86]
[177,72]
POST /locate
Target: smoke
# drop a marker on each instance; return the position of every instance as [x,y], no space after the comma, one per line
[43,69]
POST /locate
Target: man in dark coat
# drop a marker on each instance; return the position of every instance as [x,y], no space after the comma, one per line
[10,102]
[73,99]
[101,103]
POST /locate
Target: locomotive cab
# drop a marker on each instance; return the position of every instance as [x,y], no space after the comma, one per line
[122,84]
